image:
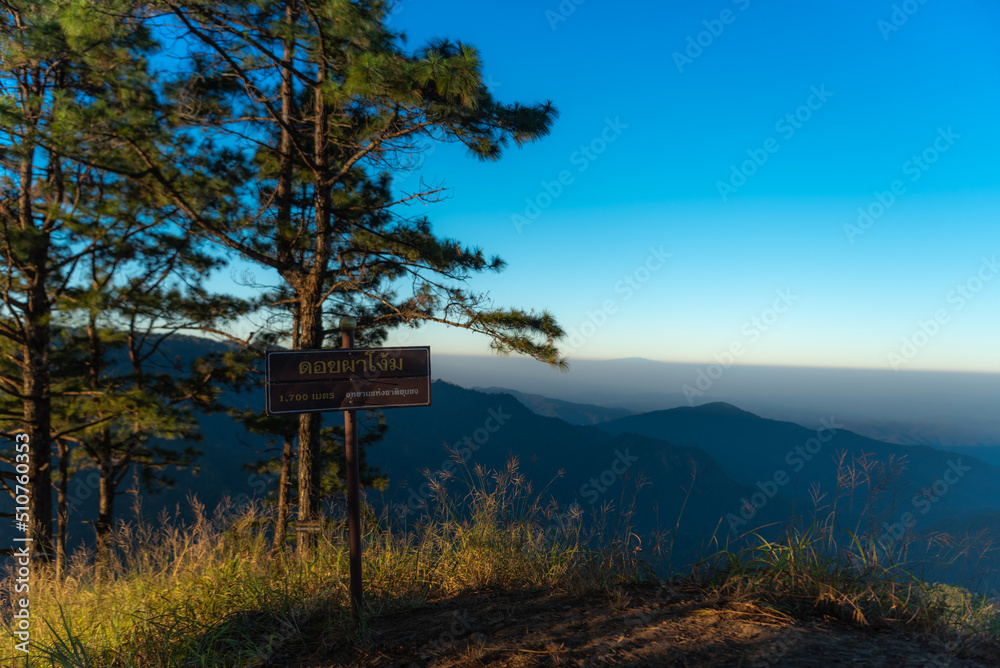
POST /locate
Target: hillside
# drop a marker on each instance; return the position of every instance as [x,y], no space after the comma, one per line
[753,449]
[491,567]
[485,588]
[584,465]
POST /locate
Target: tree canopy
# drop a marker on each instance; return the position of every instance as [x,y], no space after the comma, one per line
[172,135]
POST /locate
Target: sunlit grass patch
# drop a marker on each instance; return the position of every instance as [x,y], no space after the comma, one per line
[213,592]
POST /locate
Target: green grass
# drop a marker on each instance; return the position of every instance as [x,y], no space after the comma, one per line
[212,593]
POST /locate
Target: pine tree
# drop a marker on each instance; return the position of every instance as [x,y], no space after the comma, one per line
[63,73]
[76,98]
[325,103]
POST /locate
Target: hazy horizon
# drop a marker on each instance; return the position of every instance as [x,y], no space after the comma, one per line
[864,396]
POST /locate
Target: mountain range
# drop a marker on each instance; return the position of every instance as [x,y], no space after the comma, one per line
[747,471]
[704,476]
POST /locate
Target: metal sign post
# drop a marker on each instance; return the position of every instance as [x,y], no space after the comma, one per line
[348,379]
[347,327]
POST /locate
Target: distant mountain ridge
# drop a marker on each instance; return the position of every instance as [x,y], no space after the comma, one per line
[753,450]
[573,413]
[857,396]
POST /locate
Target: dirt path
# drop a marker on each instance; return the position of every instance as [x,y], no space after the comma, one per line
[635,626]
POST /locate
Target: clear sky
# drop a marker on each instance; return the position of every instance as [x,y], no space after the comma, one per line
[824,177]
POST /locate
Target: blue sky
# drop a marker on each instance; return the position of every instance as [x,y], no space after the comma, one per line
[823,176]
[741,138]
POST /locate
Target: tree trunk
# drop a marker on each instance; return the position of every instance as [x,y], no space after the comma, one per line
[283,195]
[284,487]
[309,424]
[105,502]
[35,352]
[311,307]
[37,426]
[284,221]
[63,511]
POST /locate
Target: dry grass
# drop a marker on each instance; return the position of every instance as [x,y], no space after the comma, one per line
[212,592]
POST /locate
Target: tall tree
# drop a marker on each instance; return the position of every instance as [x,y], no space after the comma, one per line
[65,77]
[325,102]
[76,96]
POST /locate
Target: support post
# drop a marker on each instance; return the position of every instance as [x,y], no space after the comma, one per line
[347,327]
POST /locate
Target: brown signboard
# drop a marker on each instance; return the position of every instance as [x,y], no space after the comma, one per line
[307,381]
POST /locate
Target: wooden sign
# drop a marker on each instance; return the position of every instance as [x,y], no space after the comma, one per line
[310,381]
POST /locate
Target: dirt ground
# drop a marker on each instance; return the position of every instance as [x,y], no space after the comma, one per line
[635,626]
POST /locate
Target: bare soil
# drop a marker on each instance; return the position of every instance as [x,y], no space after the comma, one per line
[636,625]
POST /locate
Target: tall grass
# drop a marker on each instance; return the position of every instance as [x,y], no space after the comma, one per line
[212,592]
[844,563]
